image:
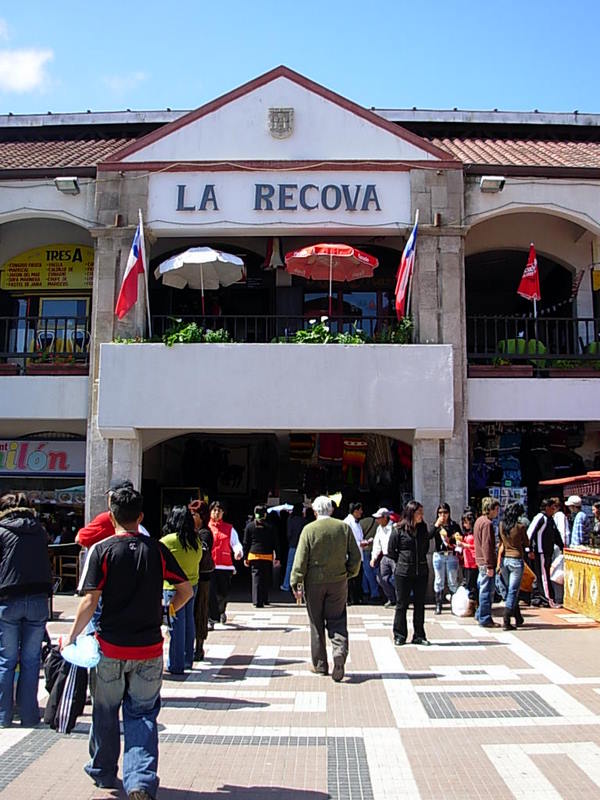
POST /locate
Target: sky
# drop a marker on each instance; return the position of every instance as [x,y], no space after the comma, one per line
[521,55]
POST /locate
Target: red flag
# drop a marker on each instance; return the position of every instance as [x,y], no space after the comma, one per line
[529,288]
[405,271]
[128,294]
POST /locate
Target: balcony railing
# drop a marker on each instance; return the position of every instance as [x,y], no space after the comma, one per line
[49,345]
[262,329]
[541,343]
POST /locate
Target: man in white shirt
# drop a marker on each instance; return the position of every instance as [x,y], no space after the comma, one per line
[353,521]
[380,556]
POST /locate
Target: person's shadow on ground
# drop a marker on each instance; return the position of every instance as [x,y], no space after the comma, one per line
[229,792]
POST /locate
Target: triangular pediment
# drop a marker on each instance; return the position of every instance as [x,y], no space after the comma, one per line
[280,116]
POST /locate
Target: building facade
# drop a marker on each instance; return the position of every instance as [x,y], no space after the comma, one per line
[472,403]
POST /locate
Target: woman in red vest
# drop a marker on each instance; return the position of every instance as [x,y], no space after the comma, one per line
[225,540]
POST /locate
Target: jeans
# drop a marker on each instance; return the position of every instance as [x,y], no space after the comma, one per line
[512,572]
[386,578]
[445,567]
[483,615]
[136,685]
[288,570]
[369,579]
[22,626]
[183,634]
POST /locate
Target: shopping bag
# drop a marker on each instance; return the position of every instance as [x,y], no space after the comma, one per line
[557,570]
[461,604]
[528,579]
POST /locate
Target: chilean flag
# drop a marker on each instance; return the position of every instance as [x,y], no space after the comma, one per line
[529,288]
[128,293]
[405,271]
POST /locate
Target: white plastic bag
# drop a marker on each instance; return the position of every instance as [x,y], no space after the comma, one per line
[84,652]
[461,604]
[557,570]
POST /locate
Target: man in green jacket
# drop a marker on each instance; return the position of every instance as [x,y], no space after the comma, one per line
[326,557]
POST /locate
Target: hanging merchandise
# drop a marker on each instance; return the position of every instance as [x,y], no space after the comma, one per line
[302,446]
[353,462]
[331,447]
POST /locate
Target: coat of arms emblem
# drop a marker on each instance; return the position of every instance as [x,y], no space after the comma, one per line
[281,122]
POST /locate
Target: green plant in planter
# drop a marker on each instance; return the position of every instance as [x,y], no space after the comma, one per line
[399,333]
[192,333]
[220,335]
[319,333]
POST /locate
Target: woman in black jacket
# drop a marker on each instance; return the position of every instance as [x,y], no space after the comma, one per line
[260,543]
[25,585]
[408,546]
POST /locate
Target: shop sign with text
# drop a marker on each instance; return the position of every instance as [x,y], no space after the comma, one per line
[48,268]
[49,458]
[234,200]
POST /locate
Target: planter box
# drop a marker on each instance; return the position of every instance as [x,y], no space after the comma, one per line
[57,369]
[500,371]
[9,369]
[576,372]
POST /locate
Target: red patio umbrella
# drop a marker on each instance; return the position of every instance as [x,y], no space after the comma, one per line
[333,262]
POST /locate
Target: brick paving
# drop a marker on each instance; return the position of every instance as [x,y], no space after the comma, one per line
[481,713]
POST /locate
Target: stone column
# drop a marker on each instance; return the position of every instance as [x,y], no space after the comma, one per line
[117,202]
[438,308]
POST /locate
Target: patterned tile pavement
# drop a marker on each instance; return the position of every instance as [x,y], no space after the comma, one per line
[481,713]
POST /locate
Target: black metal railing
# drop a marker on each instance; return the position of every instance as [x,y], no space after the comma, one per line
[543,343]
[28,343]
[276,328]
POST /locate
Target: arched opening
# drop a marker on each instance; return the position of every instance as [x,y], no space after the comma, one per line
[244,469]
[269,303]
[492,279]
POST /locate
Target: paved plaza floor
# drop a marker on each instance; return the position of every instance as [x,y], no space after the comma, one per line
[479,714]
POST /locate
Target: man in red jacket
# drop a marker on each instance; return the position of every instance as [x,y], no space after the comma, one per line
[101,526]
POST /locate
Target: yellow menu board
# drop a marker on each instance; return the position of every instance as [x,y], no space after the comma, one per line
[54,266]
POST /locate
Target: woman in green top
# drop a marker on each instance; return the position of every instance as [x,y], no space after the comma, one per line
[181,538]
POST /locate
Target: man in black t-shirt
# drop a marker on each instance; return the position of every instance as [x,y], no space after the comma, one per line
[127,570]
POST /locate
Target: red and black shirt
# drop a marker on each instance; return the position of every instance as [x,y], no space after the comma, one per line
[129,570]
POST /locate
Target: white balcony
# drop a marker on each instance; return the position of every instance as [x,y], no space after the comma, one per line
[268,387]
[530,399]
[42,402]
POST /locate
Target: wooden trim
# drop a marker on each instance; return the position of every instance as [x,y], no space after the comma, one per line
[274,166]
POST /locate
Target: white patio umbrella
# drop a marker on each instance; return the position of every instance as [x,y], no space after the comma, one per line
[200,268]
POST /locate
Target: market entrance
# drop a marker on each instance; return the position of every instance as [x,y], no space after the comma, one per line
[249,468]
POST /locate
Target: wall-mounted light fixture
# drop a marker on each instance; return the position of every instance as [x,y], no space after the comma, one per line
[67,185]
[491,183]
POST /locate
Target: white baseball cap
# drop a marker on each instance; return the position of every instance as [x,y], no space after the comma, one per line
[382,512]
[573,500]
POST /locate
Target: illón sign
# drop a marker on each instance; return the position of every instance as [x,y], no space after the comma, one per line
[290,197]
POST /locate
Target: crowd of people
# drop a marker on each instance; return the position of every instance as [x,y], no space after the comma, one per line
[133,584]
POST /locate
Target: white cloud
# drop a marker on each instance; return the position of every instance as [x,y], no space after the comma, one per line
[124,83]
[23,70]
[3,30]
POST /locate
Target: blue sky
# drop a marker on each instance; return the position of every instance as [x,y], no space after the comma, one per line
[471,54]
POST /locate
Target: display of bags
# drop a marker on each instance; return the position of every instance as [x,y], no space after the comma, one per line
[528,579]
[557,570]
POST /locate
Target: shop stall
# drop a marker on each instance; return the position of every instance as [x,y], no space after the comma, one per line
[582,563]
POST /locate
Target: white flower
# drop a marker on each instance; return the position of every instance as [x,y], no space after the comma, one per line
[324,319]
[312,321]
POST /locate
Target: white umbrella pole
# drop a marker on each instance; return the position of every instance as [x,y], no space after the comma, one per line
[330,280]
[202,286]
